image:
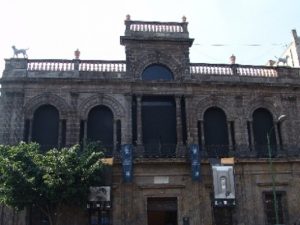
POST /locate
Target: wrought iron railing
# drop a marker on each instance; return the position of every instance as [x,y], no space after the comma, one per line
[246,151]
[170,150]
[215,151]
[157,150]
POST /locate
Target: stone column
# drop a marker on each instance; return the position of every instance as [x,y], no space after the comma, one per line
[178,121]
[187,118]
[73,121]
[126,122]
[84,132]
[229,135]
[202,132]
[139,120]
[252,145]
[59,133]
[275,124]
[30,130]
[180,148]
[14,117]
[114,137]
[139,141]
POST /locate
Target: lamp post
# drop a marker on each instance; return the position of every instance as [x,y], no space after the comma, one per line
[279,120]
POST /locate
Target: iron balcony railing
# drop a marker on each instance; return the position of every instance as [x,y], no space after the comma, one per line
[170,150]
[245,151]
[215,151]
[157,150]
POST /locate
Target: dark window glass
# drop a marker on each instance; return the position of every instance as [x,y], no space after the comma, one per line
[262,127]
[215,132]
[159,126]
[270,208]
[45,127]
[100,127]
[157,72]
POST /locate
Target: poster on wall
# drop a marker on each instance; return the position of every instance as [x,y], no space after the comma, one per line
[224,190]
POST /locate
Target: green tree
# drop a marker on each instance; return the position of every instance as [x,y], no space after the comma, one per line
[48,180]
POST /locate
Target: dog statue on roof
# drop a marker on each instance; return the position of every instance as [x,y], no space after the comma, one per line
[283,60]
[19,51]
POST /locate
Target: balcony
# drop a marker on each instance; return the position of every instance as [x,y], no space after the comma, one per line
[151,151]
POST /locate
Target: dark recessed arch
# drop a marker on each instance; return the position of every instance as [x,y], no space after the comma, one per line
[216,132]
[262,127]
[45,127]
[100,126]
[157,72]
[159,125]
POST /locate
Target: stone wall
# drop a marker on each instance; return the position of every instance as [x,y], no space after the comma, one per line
[74,87]
[252,179]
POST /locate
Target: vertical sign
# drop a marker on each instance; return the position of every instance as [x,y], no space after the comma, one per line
[126,154]
[195,162]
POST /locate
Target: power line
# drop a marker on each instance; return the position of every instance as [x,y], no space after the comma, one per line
[239,45]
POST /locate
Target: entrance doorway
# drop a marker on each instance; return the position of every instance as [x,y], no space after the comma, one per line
[162,211]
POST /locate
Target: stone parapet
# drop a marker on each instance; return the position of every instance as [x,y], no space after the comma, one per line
[104,69]
[156,29]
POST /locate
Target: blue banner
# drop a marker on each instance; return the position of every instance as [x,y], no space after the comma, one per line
[126,155]
[195,162]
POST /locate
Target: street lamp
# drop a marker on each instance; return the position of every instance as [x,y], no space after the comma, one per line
[280,119]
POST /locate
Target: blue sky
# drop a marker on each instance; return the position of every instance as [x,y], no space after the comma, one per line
[54,29]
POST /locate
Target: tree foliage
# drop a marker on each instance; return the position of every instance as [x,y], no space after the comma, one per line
[49,180]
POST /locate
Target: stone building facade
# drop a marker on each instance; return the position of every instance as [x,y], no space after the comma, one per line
[291,55]
[160,103]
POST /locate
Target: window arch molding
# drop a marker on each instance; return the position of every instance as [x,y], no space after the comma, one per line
[157,72]
[47,99]
[157,58]
[257,103]
[105,100]
[209,102]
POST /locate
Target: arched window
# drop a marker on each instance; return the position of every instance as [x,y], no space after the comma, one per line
[45,127]
[100,127]
[216,132]
[262,127]
[159,126]
[157,72]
